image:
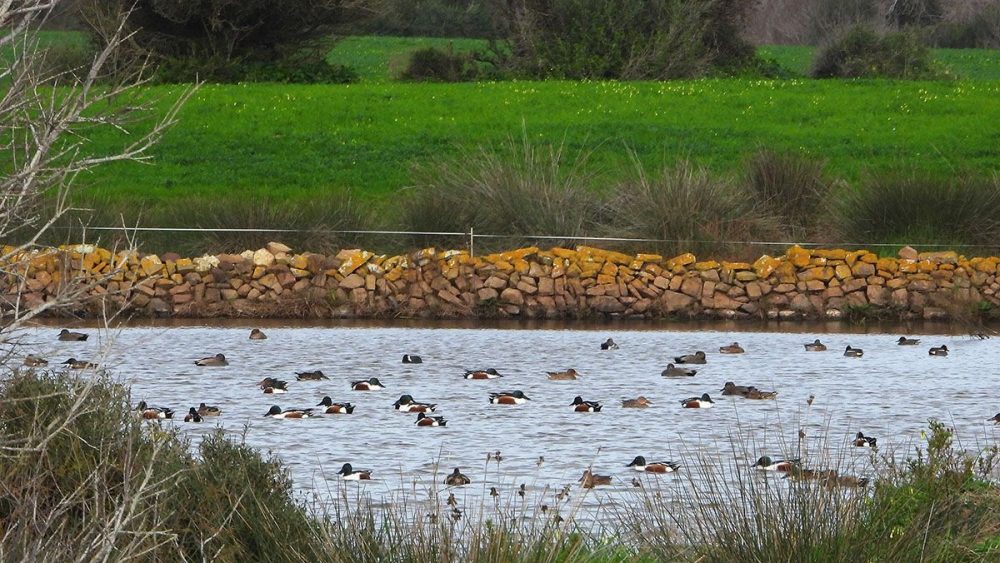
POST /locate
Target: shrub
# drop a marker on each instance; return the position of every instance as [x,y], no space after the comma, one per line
[432,64]
[906,13]
[829,18]
[863,53]
[792,188]
[979,31]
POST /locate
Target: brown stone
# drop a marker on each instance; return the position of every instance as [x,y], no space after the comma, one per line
[671,301]
[495,282]
[691,287]
[352,281]
[511,296]
[606,304]
[546,286]
[877,295]
[922,285]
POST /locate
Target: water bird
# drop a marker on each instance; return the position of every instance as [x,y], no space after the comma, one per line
[862,441]
[853,352]
[589,480]
[335,408]
[509,398]
[815,346]
[370,384]
[810,399]
[33,361]
[216,360]
[733,348]
[209,410]
[995,418]
[755,394]
[68,336]
[493,492]
[521,490]
[731,388]
[703,402]
[640,464]
[412,359]
[494,456]
[541,460]
[568,375]
[765,463]
[609,344]
[272,386]
[941,350]
[452,501]
[424,420]
[74,363]
[257,334]
[489,373]
[639,402]
[636,483]
[405,403]
[456,479]
[348,473]
[696,358]
[150,412]
[585,406]
[904,341]
[276,412]
[312,375]
[192,415]
[677,371]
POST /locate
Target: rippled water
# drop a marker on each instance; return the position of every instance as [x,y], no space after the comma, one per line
[890,393]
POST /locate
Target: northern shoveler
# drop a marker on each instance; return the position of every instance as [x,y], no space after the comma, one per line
[33,361]
[336,408]
[589,480]
[765,463]
[192,415]
[509,398]
[637,403]
[489,373]
[272,386]
[758,395]
[150,412]
[567,375]
[67,336]
[405,403]
[257,334]
[609,344]
[815,346]
[731,388]
[74,363]
[703,402]
[904,341]
[370,384]
[424,420]
[640,464]
[348,473]
[941,350]
[412,359]
[209,410]
[676,371]
[733,348]
[456,479]
[276,412]
[313,375]
[216,360]
[853,352]
[862,441]
[585,406]
[696,358]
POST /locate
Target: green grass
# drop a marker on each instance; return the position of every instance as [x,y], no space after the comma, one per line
[972,64]
[380,59]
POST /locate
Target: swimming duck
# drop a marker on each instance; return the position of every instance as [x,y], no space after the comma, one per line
[192,415]
[731,388]
[314,375]
[209,410]
[589,480]
[941,350]
[371,384]
[995,418]
[637,403]
[639,464]
[456,479]
[848,481]
[755,394]
[703,402]
[568,375]
[696,358]
[424,420]
[853,352]
[609,344]
[765,463]
[67,336]
[216,360]
[336,408]
[862,441]
[804,474]
[405,403]
[733,348]
[489,373]
[412,359]
[585,406]
[348,473]
[904,341]
[276,412]
[257,334]
[508,398]
[815,346]
[74,363]
[675,371]
[33,361]
[272,386]
[150,412]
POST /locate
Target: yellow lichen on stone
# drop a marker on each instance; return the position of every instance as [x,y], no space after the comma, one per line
[798,256]
[681,260]
[706,265]
[355,261]
[765,266]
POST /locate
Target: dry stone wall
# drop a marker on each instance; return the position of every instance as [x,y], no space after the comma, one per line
[583,282]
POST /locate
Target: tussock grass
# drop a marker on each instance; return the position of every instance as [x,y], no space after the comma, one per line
[793,188]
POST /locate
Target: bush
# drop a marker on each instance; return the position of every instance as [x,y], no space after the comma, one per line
[432,64]
[863,53]
[829,18]
[792,188]
[980,31]
[917,13]
[299,69]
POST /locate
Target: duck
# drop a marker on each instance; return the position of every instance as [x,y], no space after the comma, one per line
[348,473]
[74,363]
[609,344]
[489,373]
[731,388]
[733,348]
[848,481]
[639,464]
[804,474]
[412,359]
[456,479]
[755,394]
[209,410]
[216,360]
[904,341]
[149,412]
[272,386]
[370,384]
[765,463]
[509,398]
[585,406]
[33,361]
[589,480]
[405,403]
[995,418]
[815,346]
[68,336]
[312,375]
[276,412]
[675,371]
[568,375]
[696,358]
[424,420]
[639,402]
[336,408]
[703,402]
[853,352]
[257,334]
[941,350]
[192,415]
[862,441]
